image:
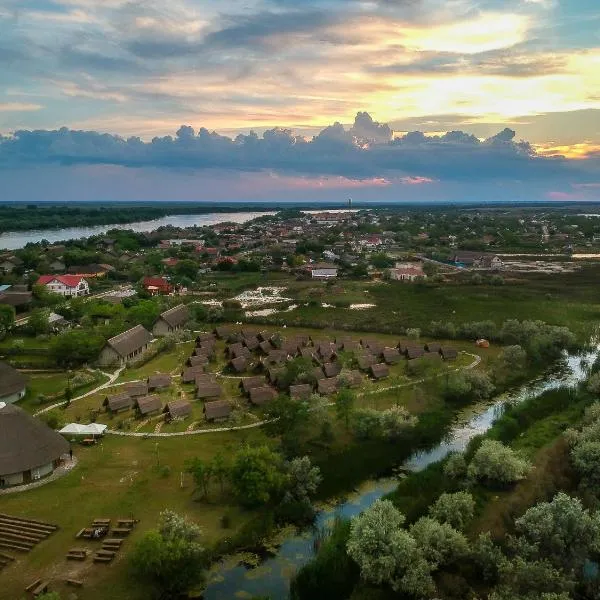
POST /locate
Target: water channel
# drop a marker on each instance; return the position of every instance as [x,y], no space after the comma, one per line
[232,580]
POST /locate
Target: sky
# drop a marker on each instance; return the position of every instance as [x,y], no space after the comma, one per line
[408,100]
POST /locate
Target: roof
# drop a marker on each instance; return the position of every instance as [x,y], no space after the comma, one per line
[261,395]
[331,369]
[149,404]
[158,282]
[219,409]
[251,382]
[79,429]
[137,388]
[198,360]
[239,363]
[129,341]
[11,381]
[176,316]
[433,346]
[448,352]
[302,391]
[380,370]
[190,373]
[179,409]
[327,386]
[68,280]
[365,360]
[414,351]
[118,401]
[159,380]
[16,298]
[391,355]
[26,442]
[208,390]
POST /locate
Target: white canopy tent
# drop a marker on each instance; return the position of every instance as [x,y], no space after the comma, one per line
[92,429]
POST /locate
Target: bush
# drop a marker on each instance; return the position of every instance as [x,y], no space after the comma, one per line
[497,464]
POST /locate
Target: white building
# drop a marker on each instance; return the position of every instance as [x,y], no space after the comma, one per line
[65,285]
[322,270]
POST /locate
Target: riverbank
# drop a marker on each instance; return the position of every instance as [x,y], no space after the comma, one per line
[530,420]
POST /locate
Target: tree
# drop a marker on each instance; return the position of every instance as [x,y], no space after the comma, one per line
[513,358]
[455,509]
[169,559]
[439,543]
[7,319]
[395,421]
[456,467]
[386,553]
[145,312]
[593,384]
[344,405]
[38,322]
[256,475]
[187,268]
[495,463]
[303,478]
[201,472]
[561,531]
[75,347]
[586,460]
[219,469]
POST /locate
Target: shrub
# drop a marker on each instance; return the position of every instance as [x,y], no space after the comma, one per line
[495,463]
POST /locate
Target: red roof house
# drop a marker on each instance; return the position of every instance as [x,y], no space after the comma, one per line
[157,285]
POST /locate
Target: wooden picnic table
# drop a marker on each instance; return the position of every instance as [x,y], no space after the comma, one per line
[41,588]
[121,531]
[101,522]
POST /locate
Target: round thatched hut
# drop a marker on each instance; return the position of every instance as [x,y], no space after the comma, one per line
[29,449]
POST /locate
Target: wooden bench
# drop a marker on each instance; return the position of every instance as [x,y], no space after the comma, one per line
[103,559]
[121,531]
[77,554]
[105,552]
[113,541]
[85,532]
[75,582]
[88,441]
[30,587]
[126,523]
[101,523]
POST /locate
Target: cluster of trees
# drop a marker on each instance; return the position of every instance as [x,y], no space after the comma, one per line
[170,559]
[585,445]
[539,340]
[402,558]
[259,476]
[492,464]
[468,385]
[388,424]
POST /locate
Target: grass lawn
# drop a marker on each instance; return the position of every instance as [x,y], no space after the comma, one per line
[165,362]
[52,385]
[117,479]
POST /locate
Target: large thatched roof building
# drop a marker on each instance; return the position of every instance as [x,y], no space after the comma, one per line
[12,384]
[29,449]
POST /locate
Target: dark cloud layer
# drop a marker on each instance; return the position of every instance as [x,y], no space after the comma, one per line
[366,150]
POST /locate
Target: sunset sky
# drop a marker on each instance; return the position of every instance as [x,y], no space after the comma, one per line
[300,100]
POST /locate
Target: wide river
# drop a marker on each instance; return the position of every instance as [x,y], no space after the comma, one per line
[271,579]
[12,240]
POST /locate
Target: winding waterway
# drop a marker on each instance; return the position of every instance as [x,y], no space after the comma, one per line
[13,240]
[231,580]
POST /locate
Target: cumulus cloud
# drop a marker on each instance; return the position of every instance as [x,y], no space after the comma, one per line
[363,151]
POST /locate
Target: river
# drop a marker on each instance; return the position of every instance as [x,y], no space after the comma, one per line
[13,240]
[230,580]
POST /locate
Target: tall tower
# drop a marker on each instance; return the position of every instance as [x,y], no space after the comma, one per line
[349,202]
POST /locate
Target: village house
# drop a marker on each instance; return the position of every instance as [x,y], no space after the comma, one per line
[157,285]
[477,260]
[171,320]
[17,296]
[219,410]
[322,270]
[10,263]
[177,410]
[65,285]
[407,272]
[148,405]
[124,347]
